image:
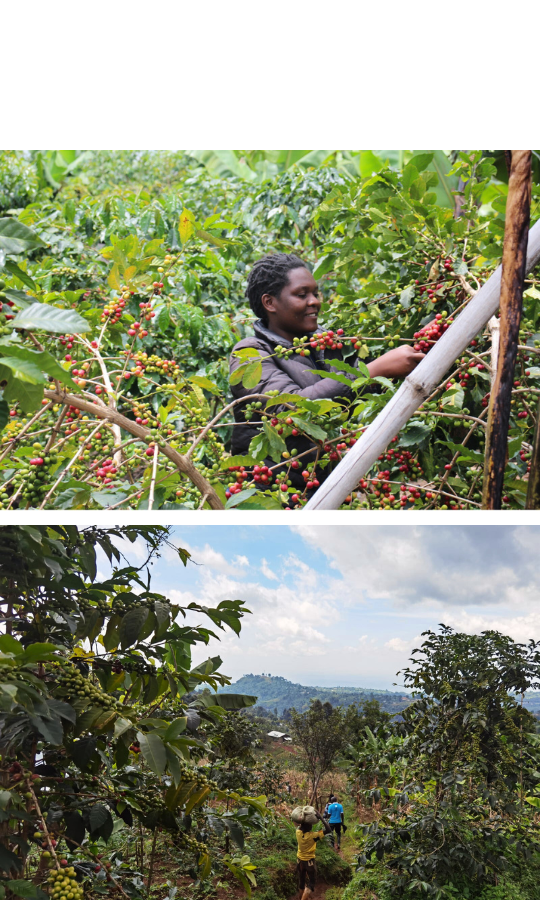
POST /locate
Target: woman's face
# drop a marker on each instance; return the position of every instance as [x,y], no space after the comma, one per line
[295,312]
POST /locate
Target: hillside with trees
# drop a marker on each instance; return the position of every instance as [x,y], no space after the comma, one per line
[274,692]
[122,295]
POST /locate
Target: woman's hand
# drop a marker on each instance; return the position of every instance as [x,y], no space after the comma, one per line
[396,363]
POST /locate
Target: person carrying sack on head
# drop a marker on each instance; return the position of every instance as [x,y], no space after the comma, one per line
[336,820]
[307,839]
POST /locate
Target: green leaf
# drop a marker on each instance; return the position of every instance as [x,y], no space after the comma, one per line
[235,499]
[132,624]
[232,701]
[16,238]
[252,375]
[238,374]
[177,727]
[38,652]
[41,317]
[334,376]
[237,461]
[28,396]
[121,726]
[4,414]
[415,434]
[246,353]
[310,428]
[454,397]
[409,174]
[44,361]
[259,500]
[82,751]
[154,752]
[205,383]
[276,443]
[100,820]
[22,369]
[369,163]
[324,265]
[27,890]
[343,366]
[421,161]
[406,296]
[8,644]
[236,832]
[14,269]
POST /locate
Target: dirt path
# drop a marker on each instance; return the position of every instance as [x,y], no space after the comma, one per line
[319,894]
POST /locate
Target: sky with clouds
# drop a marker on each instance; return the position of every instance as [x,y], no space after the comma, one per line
[346,604]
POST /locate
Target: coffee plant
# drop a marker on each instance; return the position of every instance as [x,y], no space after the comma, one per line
[455,785]
[122,281]
[100,720]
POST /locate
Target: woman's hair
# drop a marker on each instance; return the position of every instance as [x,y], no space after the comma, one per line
[269,275]
[305,826]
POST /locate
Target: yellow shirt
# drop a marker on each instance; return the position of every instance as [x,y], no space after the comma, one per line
[307,843]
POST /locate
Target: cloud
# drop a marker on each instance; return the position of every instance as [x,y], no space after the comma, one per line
[398,644]
[267,571]
[434,568]
[521,628]
[209,557]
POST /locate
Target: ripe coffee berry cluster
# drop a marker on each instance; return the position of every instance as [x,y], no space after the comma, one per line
[236,486]
[262,474]
[153,363]
[326,339]
[430,333]
[114,309]
[310,479]
[106,471]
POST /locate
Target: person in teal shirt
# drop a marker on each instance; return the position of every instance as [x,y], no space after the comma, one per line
[336,820]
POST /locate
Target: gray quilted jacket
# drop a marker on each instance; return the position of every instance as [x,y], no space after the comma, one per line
[288,376]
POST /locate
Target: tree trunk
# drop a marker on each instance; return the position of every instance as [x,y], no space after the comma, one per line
[416,387]
[516,235]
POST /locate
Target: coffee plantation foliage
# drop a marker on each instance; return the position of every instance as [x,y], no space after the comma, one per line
[122,284]
[99,723]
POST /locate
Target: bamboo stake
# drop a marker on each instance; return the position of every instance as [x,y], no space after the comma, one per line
[516,235]
[494,327]
[416,387]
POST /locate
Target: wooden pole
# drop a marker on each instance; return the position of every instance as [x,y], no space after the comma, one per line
[516,235]
[416,387]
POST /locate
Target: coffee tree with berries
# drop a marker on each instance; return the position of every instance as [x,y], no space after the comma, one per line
[122,293]
[93,725]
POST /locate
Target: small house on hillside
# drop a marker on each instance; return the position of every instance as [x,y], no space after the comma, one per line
[280,736]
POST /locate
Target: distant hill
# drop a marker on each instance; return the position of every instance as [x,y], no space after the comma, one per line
[273,691]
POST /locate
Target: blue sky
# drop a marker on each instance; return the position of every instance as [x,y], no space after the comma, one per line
[345,604]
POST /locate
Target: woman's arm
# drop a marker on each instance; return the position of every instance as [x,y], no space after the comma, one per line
[396,363]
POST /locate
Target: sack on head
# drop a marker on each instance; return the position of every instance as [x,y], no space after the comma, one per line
[304,814]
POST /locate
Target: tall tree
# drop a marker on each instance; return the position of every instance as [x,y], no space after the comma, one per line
[320,733]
